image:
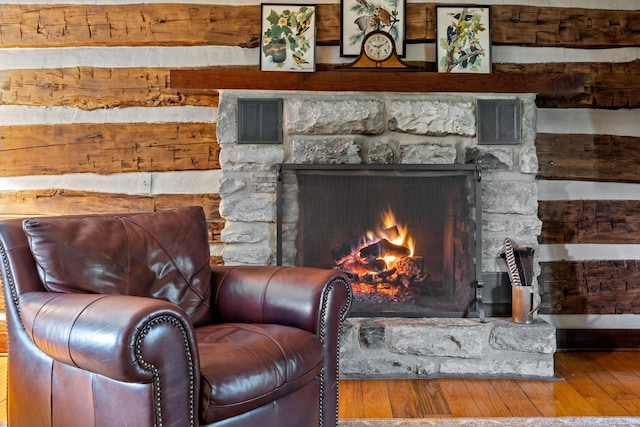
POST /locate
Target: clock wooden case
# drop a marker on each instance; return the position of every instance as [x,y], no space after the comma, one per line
[378,51]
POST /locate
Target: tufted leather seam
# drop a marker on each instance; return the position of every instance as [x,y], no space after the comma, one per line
[219,288]
[126,229]
[255,329]
[302,379]
[74,322]
[264,292]
[188,282]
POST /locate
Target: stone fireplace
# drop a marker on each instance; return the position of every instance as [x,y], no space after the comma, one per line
[391,129]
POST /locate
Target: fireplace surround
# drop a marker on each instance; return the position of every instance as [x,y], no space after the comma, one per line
[396,129]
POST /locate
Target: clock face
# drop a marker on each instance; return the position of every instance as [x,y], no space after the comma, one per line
[378,46]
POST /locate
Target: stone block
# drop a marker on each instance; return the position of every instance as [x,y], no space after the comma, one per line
[528,160]
[379,154]
[538,337]
[489,158]
[226,123]
[372,336]
[339,150]
[510,197]
[245,232]
[251,157]
[229,185]
[525,228]
[247,254]
[427,154]
[427,367]
[529,119]
[500,366]
[348,343]
[263,182]
[379,366]
[333,116]
[458,338]
[432,116]
[249,207]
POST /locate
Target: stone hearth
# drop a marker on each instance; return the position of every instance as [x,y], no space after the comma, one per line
[439,347]
[391,128]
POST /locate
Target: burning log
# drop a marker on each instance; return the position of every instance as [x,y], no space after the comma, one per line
[386,274]
[412,267]
[384,248]
[345,250]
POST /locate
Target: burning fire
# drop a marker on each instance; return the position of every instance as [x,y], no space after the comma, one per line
[382,256]
[403,238]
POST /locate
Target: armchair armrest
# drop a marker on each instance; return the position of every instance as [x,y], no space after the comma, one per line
[125,338]
[308,298]
[294,296]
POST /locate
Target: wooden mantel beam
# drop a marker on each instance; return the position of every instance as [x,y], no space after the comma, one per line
[204,80]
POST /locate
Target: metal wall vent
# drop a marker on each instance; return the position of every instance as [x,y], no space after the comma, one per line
[260,121]
[498,121]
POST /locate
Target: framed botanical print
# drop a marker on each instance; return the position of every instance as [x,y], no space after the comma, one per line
[360,17]
[288,37]
[463,39]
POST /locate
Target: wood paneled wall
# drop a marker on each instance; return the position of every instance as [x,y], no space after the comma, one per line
[106,148]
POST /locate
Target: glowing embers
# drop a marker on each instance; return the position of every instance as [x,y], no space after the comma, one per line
[381,264]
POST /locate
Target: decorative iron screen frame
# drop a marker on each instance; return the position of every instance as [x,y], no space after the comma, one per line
[476,305]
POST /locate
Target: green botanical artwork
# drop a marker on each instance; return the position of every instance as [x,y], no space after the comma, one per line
[463,39]
[288,38]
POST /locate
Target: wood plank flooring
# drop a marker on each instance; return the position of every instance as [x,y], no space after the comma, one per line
[594,384]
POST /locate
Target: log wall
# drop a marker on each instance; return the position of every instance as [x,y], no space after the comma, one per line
[67,110]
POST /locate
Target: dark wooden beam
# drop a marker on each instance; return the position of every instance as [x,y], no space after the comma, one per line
[598,339]
[202,80]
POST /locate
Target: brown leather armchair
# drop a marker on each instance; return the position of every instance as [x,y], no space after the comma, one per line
[119,320]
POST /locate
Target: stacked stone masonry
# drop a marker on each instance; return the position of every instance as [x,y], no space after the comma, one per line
[391,128]
[418,348]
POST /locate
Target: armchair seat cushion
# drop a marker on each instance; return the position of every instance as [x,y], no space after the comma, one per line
[244,366]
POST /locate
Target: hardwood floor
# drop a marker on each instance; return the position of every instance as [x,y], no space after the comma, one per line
[595,384]
[3,388]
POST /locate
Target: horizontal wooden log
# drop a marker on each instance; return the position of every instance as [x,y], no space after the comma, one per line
[167,24]
[590,221]
[566,27]
[590,339]
[128,25]
[66,202]
[590,287]
[90,88]
[606,158]
[107,148]
[606,85]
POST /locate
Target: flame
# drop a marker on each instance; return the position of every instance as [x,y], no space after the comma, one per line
[402,238]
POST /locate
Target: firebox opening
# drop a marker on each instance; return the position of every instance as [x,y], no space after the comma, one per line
[404,235]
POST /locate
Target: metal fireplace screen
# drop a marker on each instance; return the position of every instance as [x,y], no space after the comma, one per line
[406,236]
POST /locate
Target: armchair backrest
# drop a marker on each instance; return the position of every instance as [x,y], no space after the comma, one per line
[162,255]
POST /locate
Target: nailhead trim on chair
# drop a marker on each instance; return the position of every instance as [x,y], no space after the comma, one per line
[323,314]
[154,370]
[12,285]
